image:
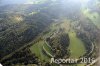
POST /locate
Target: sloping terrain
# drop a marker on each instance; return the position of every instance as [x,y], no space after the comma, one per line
[31,34]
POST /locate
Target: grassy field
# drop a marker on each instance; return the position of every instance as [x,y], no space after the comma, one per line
[48,48]
[37,49]
[76,46]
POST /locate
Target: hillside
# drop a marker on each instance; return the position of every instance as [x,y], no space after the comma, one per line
[31,34]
